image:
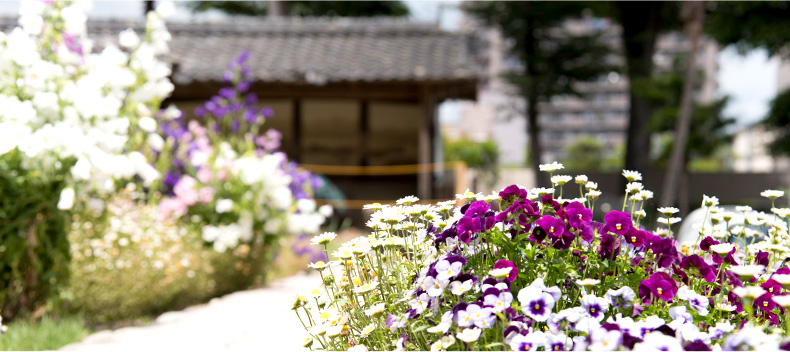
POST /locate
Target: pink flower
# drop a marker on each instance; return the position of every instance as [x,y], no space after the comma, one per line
[206,194]
[222,175]
[204,175]
[185,190]
[171,207]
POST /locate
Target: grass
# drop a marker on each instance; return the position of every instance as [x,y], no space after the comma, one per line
[47,334]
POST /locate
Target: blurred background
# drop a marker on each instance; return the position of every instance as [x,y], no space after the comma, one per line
[378,97]
[387,99]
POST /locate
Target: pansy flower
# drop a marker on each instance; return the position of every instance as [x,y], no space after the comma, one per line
[444,325]
[659,285]
[635,238]
[500,302]
[578,215]
[605,340]
[656,341]
[617,222]
[502,263]
[446,270]
[433,286]
[529,342]
[535,303]
[696,301]
[558,342]
[594,306]
[696,265]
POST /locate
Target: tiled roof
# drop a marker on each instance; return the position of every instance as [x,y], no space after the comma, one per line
[313,50]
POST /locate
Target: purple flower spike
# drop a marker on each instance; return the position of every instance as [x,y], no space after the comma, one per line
[617,222]
[502,263]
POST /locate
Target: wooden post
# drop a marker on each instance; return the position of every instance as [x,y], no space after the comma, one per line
[425,147]
[297,130]
[460,179]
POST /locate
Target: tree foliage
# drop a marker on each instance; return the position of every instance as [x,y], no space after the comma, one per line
[750,25]
[553,60]
[778,121]
[709,127]
[306,8]
[584,153]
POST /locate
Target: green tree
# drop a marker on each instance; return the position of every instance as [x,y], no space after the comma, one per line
[708,131]
[778,121]
[305,8]
[584,153]
[642,22]
[553,59]
[760,25]
[749,25]
[483,156]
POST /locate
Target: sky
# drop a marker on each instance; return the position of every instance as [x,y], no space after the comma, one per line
[749,80]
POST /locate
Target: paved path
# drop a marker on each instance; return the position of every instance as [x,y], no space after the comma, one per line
[259,320]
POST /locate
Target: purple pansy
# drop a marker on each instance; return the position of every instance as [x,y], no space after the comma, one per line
[502,263]
[578,215]
[696,265]
[659,285]
[617,222]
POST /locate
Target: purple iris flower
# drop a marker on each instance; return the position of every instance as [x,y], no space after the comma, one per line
[659,285]
[578,215]
[267,112]
[502,263]
[617,222]
[227,93]
[696,265]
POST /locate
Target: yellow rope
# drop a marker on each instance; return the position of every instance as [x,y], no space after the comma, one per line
[380,170]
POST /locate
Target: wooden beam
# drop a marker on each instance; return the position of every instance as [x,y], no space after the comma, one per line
[407,92]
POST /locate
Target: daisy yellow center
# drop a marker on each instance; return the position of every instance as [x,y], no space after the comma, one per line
[619,227]
[659,290]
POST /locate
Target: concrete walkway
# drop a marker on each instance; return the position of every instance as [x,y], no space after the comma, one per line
[259,320]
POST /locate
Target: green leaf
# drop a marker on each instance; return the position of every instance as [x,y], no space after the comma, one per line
[495,344]
[421,328]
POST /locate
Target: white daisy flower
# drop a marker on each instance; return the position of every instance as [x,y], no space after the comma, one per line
[668,221]
[560,179]
[581,179]
[323,238]
[632,176]
[408,200]
[554,166]
[591,185]
[772,194]
[709,202]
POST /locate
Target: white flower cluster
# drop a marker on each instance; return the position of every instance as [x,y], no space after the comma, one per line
[58,99]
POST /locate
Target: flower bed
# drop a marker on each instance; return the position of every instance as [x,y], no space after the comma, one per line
[524,270]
